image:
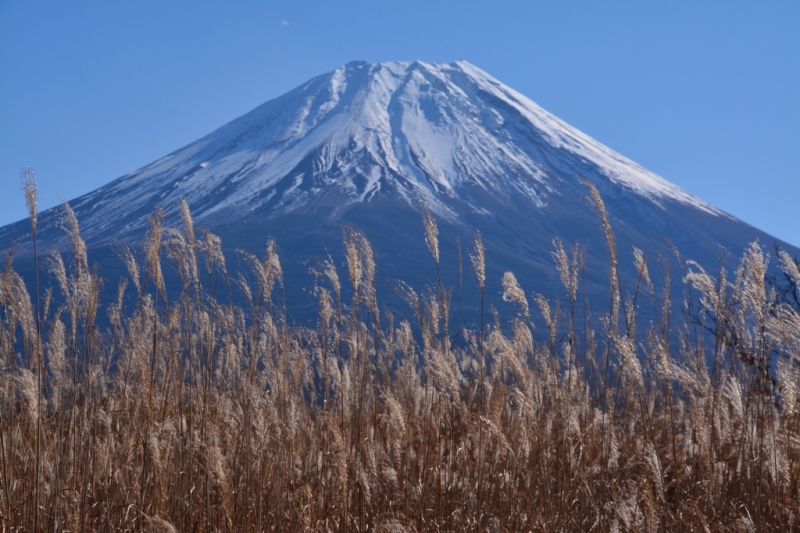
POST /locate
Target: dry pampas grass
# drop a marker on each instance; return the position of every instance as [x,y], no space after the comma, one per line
[190,414]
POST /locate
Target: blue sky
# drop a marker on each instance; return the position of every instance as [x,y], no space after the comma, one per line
[706,93]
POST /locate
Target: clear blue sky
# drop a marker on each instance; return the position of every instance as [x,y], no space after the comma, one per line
[705,93]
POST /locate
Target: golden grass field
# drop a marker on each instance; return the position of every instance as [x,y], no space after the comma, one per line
[187,414]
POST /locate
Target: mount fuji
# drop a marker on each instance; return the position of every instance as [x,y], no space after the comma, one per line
[369,145]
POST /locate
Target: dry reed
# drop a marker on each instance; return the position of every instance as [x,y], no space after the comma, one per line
[189,414]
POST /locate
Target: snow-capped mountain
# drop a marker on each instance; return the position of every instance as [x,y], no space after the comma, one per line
[416,131]
[369,144]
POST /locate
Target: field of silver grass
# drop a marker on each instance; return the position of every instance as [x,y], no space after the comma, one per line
[187,414]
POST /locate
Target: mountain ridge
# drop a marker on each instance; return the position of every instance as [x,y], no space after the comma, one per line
[369,141]
[379,112]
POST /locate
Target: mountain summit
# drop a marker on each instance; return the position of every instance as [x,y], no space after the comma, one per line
[369,144]
[427,133]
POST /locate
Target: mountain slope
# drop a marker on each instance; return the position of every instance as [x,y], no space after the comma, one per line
[369,144]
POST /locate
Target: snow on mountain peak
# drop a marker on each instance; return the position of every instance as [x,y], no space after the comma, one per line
[423,132]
